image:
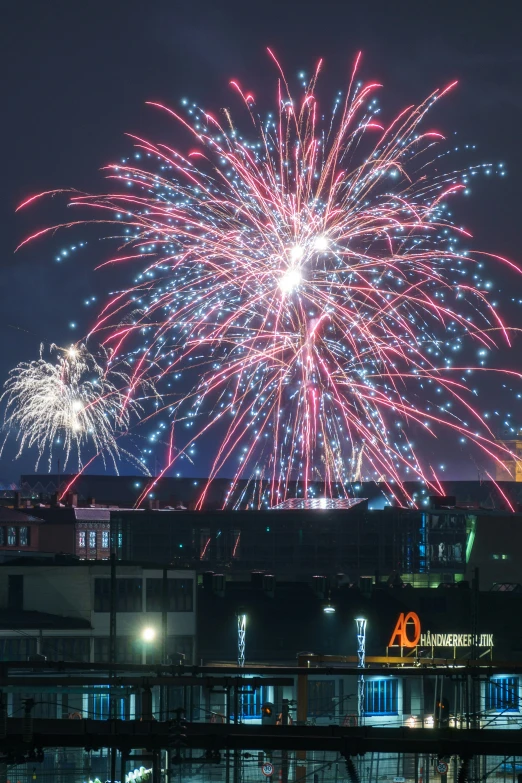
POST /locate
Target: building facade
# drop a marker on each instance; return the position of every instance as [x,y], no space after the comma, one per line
[60,609]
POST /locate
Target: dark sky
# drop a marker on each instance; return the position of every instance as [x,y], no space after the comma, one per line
[77,74]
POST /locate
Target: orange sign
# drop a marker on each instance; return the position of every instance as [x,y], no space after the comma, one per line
[408,623]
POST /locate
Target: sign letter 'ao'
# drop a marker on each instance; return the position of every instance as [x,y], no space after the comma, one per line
[400,632]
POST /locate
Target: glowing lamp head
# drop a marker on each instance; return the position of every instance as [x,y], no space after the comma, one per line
[329,609]
[290,280]
[148,634]
[320,244]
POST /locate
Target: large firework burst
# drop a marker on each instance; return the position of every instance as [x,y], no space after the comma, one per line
[305,281]
[70,402]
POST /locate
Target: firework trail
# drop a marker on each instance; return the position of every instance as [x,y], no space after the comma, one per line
[72,402]
[305,280]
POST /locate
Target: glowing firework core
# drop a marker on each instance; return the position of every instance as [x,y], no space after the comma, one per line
[290,280]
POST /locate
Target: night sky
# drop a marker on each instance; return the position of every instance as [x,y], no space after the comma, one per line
[78,72]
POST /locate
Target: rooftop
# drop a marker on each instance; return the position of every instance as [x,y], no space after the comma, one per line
[9,516]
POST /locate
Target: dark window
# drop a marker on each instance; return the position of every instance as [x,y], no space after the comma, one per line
[128,649]
[2,536]
[180,645]
[11,536]
[102,595]
[502,694]
[15,591]
[179,595]
[128,595]
[321,694]
[24,536]
[17,649]
[381,697]
[66,648]
[45,705]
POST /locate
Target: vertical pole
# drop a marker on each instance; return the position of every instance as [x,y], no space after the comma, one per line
[237,753]
[241,630]
[163,641]
[284,754]
[227,751]
[361,664]
[112,656]
[302,715]
[238,695]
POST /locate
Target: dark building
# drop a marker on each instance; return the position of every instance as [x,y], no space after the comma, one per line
[424,547]
[83,532]
[288,617]
[124,491]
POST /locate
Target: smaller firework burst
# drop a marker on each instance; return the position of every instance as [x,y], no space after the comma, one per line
[72,401]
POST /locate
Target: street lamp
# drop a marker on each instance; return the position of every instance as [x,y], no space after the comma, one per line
[329,607]
[361,657]
[241,632]
[148,634]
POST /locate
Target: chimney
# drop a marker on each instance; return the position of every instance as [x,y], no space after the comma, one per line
[269,584]
[17,499]
[256,579]
[320,586]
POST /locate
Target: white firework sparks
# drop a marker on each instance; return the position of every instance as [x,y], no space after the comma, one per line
[72,402]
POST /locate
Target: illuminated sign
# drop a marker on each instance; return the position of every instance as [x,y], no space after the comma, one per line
[407,633]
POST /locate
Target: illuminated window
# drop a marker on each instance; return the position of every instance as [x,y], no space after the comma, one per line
[105,539]
[24,537]
[381,697]
[92,539]
[251,702]
[81,539]
[500,557]
[502,694]
[11,536]
[101,705]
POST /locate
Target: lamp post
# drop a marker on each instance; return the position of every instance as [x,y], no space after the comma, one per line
[241,630]
[361,663]
[148,635]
